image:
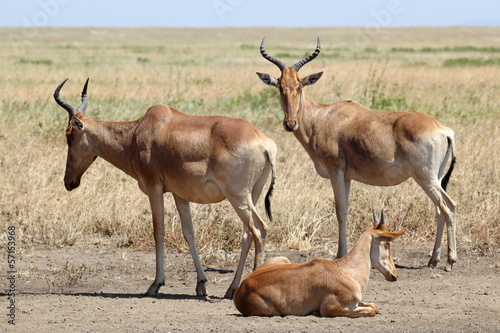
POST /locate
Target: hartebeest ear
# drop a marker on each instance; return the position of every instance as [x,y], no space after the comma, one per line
[311,79]
[76,123]
[388,236]
[268,79]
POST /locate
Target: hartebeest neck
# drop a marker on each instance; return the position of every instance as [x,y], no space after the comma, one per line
[309,115]
[357,263]
[113,141]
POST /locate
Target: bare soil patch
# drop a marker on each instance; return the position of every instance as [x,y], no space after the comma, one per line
[90,288]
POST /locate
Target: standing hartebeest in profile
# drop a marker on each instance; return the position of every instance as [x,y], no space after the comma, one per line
[198,159]
[329,287]
[348,141]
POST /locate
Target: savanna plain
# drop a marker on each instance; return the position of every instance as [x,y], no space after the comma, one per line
[83,258]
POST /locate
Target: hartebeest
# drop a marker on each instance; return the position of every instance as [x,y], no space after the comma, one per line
[201,159]
[348,141]
[329,287]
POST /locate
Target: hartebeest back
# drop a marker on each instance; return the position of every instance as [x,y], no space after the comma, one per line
[330,288]
[198,159]
[348,141]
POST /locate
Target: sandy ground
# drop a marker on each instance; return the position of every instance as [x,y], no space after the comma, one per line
[98,288]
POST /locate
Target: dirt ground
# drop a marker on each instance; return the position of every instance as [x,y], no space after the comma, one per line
[97,288]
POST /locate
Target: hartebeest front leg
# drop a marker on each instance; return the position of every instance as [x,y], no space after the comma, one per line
[156,200]
[188,232]
[341,188]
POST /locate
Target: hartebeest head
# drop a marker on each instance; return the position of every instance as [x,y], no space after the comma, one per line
[380,253]
[290,85]
[81,152]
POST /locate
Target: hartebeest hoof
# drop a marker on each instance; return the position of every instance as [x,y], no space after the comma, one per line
[449,265]
[154,289]
[230,293]
[433,263]
[201,288]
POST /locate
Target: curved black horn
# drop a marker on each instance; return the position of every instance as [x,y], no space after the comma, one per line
[304,61]
[83,106]
[375,217]
[71,110]
[281,65]
[382,217]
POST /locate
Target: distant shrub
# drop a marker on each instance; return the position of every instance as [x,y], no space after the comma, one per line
[465,48]
[402,49]
[24,61]
[471,62]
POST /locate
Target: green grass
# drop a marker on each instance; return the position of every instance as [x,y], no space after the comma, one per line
[403,49]
[477,62]
[448,49]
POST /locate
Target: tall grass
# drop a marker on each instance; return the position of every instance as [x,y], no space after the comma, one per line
[212,71]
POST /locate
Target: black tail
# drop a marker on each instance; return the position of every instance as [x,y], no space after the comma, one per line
[446,178]
[267,201]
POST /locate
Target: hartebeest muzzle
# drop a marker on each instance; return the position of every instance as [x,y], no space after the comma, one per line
[71,185]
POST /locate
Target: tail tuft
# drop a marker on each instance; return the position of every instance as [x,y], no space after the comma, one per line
[268,197]
[446,178]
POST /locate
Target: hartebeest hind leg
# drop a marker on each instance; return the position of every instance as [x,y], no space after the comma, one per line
[445,211]
[246,243]
[254,226]
[188,232]
[330,307]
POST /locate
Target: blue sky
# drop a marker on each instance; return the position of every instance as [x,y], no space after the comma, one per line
[247,13]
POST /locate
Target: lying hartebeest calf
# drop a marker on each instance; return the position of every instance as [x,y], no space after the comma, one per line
[330,288]
[348,141]
[198,159]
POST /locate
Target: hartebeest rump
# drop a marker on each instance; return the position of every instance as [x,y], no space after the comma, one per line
[201,159]
[329,287]
[348,141]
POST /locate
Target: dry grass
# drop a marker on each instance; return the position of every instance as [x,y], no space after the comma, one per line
[212,71]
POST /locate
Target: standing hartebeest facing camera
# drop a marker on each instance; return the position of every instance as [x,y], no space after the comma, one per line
[198,159]
[348,141]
